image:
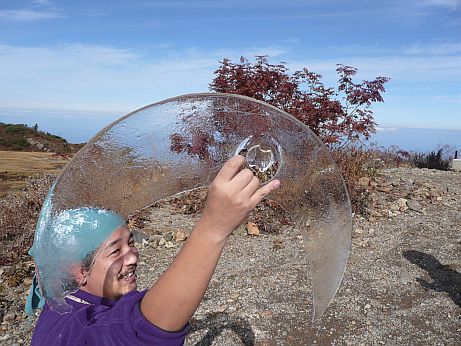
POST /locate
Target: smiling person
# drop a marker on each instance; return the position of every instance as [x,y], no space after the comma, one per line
[108,310]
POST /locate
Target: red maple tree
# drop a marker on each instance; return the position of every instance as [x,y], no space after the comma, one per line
[340,116]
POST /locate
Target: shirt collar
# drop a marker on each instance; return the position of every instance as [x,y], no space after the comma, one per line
[94,300]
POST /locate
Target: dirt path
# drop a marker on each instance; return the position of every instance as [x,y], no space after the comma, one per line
[402,284]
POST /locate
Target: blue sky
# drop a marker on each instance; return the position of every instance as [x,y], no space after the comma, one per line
[97,60]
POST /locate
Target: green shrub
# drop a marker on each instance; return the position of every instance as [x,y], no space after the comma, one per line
[432,160]
[21,142]
[15,128]
[56,137]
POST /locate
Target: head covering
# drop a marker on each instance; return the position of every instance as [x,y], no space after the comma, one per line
[76,233]
[62,240]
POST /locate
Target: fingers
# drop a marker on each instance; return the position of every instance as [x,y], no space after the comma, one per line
[231,168]
[264,191]
[243,178]
[251,187]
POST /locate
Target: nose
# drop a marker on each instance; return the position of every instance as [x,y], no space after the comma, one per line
[131,256]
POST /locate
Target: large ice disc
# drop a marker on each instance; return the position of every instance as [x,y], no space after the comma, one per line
[180,144]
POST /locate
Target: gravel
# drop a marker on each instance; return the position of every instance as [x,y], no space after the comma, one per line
[402,284]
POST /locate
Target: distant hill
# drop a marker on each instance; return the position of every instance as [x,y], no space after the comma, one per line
[20,137]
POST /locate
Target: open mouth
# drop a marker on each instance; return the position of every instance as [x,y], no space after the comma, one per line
[129,276]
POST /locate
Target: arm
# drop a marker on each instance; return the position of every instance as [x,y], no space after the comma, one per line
[173,299]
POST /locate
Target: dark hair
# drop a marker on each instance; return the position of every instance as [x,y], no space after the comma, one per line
[88,260]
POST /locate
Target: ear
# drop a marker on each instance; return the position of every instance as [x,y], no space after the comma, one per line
[79,274]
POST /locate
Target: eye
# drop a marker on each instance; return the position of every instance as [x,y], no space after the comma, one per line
[115,252]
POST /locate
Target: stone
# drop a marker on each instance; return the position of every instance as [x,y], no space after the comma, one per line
[357,232]
[40,146]
[139,236]
[235,296]
[180,235]
[162,241]
[221,308]
[252,229]
[9,317]
[402,203]
[278,243]
[395,182]
[456,165]
[364,181]
[169,245]
[154,240]
[375,213]
[415,206]
[384,189]
[394,207]
[266,314]
[240,230]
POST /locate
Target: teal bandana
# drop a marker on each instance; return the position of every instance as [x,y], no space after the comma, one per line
[61,241]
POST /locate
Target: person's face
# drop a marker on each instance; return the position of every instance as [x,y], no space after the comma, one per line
[113,272]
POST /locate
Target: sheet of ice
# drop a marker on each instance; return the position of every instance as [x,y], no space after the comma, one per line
[181,143]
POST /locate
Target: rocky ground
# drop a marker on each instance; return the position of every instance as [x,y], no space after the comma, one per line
[402,284]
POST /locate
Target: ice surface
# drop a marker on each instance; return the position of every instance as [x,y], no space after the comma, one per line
[180,144]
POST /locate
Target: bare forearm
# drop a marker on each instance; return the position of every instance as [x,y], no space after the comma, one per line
[173,299]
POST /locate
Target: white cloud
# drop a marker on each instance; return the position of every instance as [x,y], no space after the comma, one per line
[386,129]
[43,3]
[28,15]
[451,4]
[104,78]
[417,63]
[447,48]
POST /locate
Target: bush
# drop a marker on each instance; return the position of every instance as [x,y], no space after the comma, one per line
[18,216]
[432,160]
[355,163]
[56,137]
[339,115]
[15,128]
[21,142]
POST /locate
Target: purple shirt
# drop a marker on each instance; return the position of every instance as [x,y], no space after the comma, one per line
[102,322]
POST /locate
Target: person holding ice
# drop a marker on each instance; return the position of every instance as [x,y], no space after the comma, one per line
[107,309]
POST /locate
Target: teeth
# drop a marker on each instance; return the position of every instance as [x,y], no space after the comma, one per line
[126,276]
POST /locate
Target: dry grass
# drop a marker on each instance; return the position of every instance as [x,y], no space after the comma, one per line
[18,215]
[25,178]
[16,166]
